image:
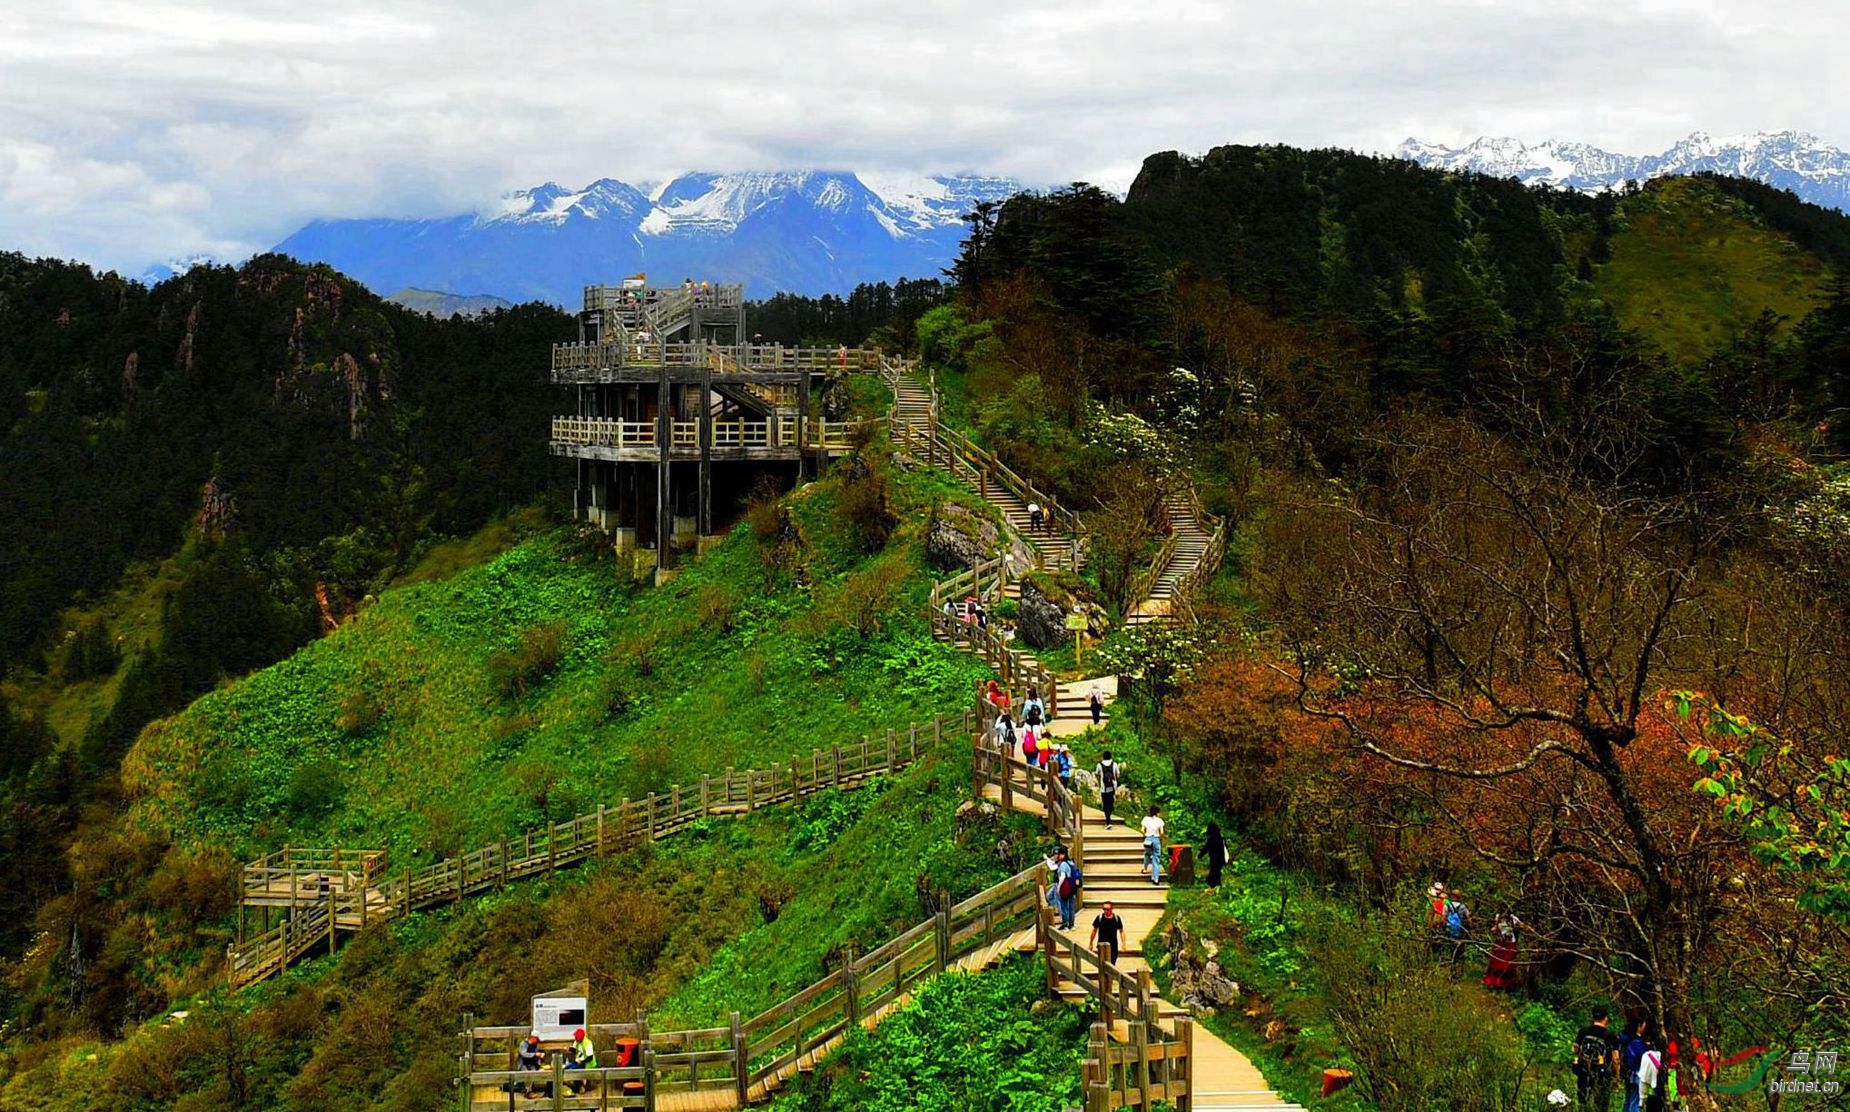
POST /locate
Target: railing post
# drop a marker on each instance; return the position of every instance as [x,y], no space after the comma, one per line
[504,848]
[558,1083]
[649,816]
[944,938]
[748,791]
[600,830]
[330,920]
[552,846]
[1185,1034]
[706,798]
[741,1066]
[850,987]
[1140,1030]
[838,766]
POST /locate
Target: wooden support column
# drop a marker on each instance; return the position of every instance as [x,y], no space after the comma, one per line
[703,524]
[803,425]
[664,491]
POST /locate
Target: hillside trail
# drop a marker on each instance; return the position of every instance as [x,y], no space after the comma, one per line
[1223,1079]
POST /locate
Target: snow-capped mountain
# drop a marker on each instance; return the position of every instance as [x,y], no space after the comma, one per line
[806,232]
[160,272]
[1805,164]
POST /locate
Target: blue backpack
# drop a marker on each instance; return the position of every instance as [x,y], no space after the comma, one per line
[1454,919]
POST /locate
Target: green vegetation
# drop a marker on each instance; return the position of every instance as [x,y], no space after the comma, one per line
[537,686]
[983,1041]
[1692,267]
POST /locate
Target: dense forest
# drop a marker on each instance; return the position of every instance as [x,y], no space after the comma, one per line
[203,476]
[1540,518]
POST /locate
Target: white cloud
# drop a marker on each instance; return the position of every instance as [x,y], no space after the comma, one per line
[134,131]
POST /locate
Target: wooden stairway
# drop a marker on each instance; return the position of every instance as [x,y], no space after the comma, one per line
[912,407]
[1222,1079]
[1194,545]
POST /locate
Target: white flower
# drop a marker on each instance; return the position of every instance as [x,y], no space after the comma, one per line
[1557,1098]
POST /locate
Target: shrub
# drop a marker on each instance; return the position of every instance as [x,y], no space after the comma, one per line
[865,506]
[90,651]
[359,711]
[716,609]
[518,671]
[1410,1054]
[315,788]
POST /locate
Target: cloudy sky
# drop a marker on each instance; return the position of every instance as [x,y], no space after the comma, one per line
[136,130]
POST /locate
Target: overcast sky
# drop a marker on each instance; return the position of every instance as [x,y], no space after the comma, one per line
[136,130]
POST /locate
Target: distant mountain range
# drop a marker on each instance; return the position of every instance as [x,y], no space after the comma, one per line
[1794,160]
[443,305]
[801,231]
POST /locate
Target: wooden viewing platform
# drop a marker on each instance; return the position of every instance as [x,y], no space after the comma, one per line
[785,435]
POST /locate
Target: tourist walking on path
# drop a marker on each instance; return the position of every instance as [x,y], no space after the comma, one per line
[1107,929]
[1035,517]
[1030,747]
[1216,849]
[1109,773]
[1631,1056]
[996,696]
[1501,973]
[1596,1062]
[1033,711]
[1063,892]
[1005,733]
[1063,764]
[1095,699]
[1153,845]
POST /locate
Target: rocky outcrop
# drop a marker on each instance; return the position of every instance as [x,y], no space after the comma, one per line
[1196,979]
[1046,600]
[959,537]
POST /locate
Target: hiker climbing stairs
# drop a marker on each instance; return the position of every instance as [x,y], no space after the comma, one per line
[1220,1078]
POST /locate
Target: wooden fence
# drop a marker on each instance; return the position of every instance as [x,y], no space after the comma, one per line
[975,465]
[746,1058]
[1131,1061]
[785,430]
[1018,671]
[316,917]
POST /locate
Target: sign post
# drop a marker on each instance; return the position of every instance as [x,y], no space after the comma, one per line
[1077,623]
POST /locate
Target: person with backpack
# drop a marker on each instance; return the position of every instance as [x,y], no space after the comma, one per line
[1030,747]
[1033,711]
[1095,700]
[1457,925]
[1063,764]
[1631,1056]
[1596,1062]
[1109,773]
[1035,517]
[1653,1080]
[1063,892]
[1500,972]
[1005,733]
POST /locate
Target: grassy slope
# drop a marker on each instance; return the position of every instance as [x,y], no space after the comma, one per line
[715,669]
[735,915]
[840,868]
[1691,267]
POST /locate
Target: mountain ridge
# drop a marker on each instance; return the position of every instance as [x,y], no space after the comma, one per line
[1795,160]
[806,232]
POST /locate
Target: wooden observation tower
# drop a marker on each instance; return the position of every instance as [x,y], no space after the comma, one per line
[678,416]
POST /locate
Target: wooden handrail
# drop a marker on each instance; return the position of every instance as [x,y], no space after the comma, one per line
[542,850]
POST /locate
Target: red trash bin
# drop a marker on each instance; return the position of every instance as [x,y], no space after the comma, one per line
[1181,868]
[626,1052]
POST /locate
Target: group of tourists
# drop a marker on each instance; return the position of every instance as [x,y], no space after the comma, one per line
[1649,1067]
[581,1055]
[1449,919]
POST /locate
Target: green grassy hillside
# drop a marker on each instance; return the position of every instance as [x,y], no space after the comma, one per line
[1692,266]
[435,721]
